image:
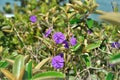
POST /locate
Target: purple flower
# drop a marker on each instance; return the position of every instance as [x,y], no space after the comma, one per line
[73,41]
[33,19]
[111,65]
[115,45]
[89,31]
[66,44]
[58,61]
[58,37]
[48,32]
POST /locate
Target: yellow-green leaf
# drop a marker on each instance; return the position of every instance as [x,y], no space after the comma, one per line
[18,65]
[21,74]
[9,75]
[48,75]
[42,63]
[93,46]
[10,61]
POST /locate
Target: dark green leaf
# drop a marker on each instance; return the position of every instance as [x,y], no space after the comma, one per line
[28,71]
[3,64]
[87,60]
[73,21]
[110,76]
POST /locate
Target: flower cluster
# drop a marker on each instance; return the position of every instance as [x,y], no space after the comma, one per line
[60,38]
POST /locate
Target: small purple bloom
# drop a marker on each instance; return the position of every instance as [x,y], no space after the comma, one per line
[33,19]
[115,45]
[66,44]
[111,65]
[48,32]
[73,41]
[58,61]
[89,31]
[58,37]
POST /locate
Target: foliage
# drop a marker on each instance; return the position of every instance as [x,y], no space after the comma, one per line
[27,47]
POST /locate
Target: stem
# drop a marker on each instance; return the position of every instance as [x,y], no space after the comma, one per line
[20,39]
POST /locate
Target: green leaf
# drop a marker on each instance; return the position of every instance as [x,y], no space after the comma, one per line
[44,7]
[90,23]
[6,28]
[73,21]
[49,74]
[53,3]
[18,65]
[1,34]
[76,47]
[93,46]
[87,60]
[28,71]
[115,59]
[110,76]
[3,64]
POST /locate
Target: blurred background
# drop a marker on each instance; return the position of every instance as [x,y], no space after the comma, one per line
[7,6]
